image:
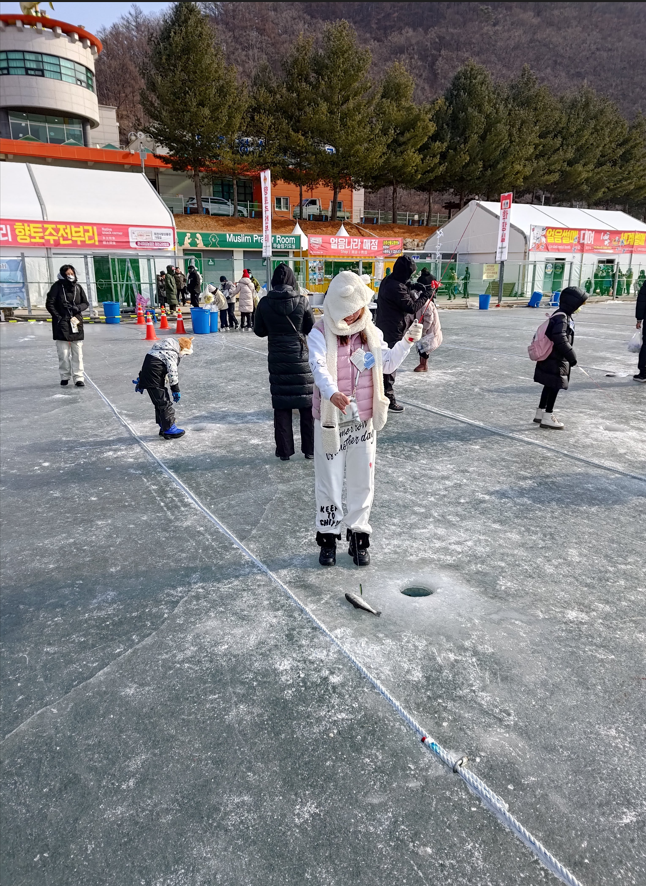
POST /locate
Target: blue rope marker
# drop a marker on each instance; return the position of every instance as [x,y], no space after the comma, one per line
[456,764]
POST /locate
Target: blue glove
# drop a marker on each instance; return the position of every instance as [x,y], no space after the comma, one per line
[369,360]
[176,396]
[138,390]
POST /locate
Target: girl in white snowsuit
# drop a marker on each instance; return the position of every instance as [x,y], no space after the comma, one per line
[339,346]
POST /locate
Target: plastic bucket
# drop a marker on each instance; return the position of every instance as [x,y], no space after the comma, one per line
[483,302]
[535,299]
[213,321]
[201,321]
[112,311]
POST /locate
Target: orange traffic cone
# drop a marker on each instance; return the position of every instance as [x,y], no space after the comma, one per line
[150,329]
[179,329]
[141,320]
[163,322]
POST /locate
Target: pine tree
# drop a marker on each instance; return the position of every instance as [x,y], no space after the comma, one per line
[405,127]
[486,151]
[593,131]
[541,117]
[189,94]
[236,151]
[343,122]
[296,156]
[629,185]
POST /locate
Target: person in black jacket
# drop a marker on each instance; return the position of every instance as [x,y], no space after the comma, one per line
[286,317]
[554,371]
[640,314]
[397,297]
[426,279]
[66,301]
[194,285]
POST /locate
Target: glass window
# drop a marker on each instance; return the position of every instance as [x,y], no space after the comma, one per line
[223,187]
[38,64]
[56,134]
[48,129]
[282,204]
[39,131]
[19,128]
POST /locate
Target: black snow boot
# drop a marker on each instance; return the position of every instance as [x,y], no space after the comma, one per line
[358,549]
[327,543]
[394,406]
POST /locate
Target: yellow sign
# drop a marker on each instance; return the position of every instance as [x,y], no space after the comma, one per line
[490,272]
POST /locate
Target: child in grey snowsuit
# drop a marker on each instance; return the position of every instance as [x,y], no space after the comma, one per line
[162,363]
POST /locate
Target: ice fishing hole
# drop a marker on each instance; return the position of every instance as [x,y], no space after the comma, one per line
[417,591]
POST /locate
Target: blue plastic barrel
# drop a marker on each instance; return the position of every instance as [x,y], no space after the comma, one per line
[112,311]
[213,321]
[556,298]
[484,302]
[201,321]
[535,299]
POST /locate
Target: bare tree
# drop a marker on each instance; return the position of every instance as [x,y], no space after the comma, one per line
[126,47]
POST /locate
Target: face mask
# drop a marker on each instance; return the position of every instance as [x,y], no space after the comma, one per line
[70,277]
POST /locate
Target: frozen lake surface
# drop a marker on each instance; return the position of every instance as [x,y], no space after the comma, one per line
[171,718]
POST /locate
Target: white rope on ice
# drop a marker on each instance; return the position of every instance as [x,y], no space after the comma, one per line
[478,424]
[456,764]
[499,431]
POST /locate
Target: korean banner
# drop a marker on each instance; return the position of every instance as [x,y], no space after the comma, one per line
[574,240]
[77,235]
[503,227]
[356,247]
[265,184]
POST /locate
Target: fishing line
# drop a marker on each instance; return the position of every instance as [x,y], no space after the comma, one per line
[478,424]
[456,764]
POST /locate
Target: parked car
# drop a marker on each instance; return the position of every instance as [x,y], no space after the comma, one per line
[312,206]
[214,206]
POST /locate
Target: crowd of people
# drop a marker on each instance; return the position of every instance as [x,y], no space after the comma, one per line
[338,371]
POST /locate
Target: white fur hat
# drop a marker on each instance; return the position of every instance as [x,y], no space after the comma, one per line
[347,293]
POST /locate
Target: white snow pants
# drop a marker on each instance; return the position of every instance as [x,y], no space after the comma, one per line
[70,360]
[355,459]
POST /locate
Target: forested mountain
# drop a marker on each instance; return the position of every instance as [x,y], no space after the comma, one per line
[565,44]
[454,99]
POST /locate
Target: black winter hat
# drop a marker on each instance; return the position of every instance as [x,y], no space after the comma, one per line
[283,276]
[572,297]
[404,269]
[67,268]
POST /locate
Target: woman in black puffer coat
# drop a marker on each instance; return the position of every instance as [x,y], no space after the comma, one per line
[554,372]
[286,318]
[66,301]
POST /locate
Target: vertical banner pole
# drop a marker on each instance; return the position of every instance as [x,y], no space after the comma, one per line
[265,183]
[23,262]
[503,239]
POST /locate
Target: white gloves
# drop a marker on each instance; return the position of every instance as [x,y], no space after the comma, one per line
[414,332]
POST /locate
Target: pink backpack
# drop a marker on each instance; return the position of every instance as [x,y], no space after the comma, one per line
[541,346]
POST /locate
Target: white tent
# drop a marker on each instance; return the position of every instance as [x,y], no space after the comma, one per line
[468,243]
[51,215]
[68,194]
[473,232]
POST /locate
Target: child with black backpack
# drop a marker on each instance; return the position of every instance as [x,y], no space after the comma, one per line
[553,364]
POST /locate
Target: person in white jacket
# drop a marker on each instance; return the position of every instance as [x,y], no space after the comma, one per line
[245,290]
[348,357]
